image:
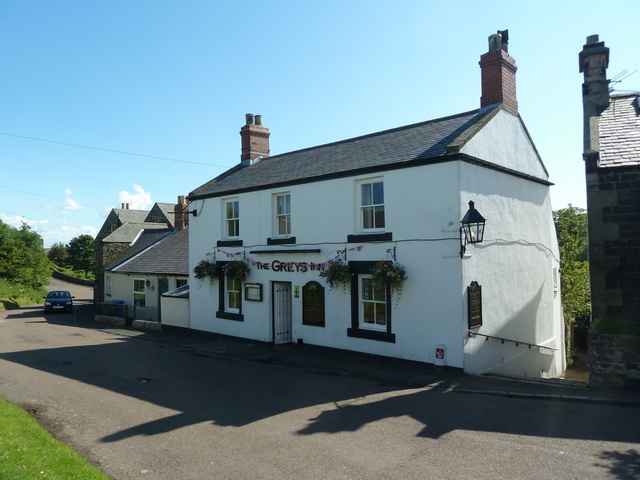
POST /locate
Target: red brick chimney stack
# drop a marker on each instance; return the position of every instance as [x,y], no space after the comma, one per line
[181,213]
[499,74]
[255,139]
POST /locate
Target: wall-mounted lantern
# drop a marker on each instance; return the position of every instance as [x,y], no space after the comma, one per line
[472,228]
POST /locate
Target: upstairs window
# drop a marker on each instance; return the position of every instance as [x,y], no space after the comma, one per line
[232,218]
[372,205]
[283,215]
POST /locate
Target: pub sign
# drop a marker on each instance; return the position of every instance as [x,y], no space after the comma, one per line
[474,299]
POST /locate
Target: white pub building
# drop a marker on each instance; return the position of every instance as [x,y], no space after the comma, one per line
[476,288]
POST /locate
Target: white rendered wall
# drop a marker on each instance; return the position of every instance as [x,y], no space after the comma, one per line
[505,142]
[422,212]
[122,287]
[175,311]
[517,265]
[423,208]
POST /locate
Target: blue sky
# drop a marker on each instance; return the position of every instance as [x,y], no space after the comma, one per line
[171,82]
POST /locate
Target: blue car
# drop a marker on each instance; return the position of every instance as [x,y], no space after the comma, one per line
[58,301]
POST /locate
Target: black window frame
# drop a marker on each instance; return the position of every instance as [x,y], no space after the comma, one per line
[222,297]
[364,268]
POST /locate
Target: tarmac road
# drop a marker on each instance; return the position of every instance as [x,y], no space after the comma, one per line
[147,407]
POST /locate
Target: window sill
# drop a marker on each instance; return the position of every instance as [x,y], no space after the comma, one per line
[371,335]
[281,241]
[370,237]
[229,243]
[238,317]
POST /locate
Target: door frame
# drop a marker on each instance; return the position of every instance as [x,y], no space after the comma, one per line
[274,302]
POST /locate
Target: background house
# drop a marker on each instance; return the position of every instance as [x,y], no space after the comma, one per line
[122,227]
[397,196]
[155,264]
[612,166]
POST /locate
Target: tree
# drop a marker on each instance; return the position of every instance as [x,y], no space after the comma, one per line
[58,254]
[80,253]
[22,258]
[572,233]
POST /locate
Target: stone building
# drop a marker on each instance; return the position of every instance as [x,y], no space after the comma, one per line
[123,225]
[612,167]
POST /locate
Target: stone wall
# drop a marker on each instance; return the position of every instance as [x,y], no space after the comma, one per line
[67,278]
[613,197]
[614,360]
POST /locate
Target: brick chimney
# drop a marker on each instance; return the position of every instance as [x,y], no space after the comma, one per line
[255,139]
[499,74]
[181,213]
[594,60]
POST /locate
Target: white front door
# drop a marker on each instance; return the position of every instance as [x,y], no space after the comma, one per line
[281,312]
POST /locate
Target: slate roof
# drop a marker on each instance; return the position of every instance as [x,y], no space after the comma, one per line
[131,216]
[167,209]
[128,232]
[180,292]
[144,239]
[168,255]
[394,148]
[619,127]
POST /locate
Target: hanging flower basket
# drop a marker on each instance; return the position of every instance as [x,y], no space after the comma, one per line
[207,270]
[237,270]
[386,272]
[336,273]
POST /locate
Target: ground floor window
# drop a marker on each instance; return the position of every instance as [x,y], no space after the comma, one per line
[370,305]
[229,298]
[139,298]
[373,304]
[232,293]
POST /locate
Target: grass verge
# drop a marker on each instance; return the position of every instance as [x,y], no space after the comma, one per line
[14,295]
[27,451]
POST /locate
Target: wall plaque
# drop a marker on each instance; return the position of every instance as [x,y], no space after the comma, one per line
[313,304]
[474,299]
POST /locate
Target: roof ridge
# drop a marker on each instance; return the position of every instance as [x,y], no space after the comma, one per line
[376,134]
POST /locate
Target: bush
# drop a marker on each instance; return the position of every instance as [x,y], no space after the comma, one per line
[22,258]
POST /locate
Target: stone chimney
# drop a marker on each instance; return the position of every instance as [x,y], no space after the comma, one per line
[594,60]
[181,213]
[499,74]
[255,139]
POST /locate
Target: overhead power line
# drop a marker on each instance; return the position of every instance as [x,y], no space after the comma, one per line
[49,198]
[111,151]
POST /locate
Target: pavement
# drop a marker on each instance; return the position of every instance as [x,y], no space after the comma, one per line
[383,370]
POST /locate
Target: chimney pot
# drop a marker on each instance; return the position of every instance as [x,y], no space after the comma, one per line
[258,119]
[249,117]
[495,42]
